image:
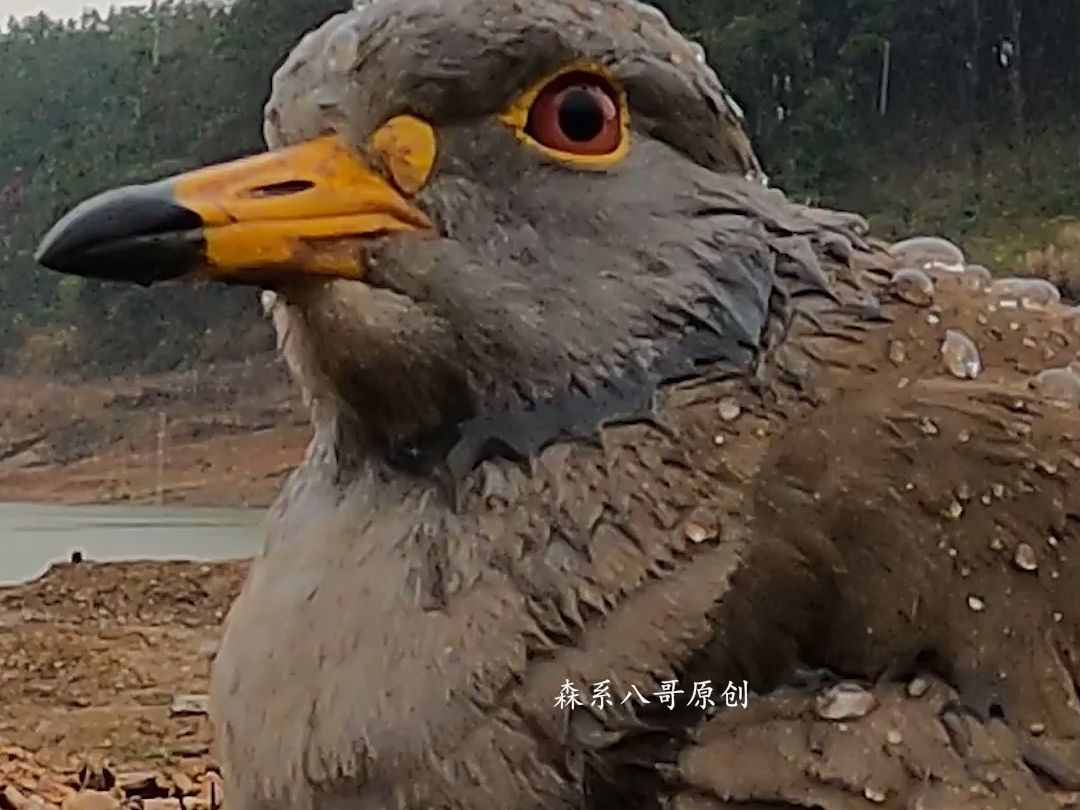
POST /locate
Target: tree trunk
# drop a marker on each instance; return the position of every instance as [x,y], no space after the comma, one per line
[1016,88]
[975,110]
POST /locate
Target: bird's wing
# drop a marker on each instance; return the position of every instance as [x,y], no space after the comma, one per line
[875,501]
[893,746]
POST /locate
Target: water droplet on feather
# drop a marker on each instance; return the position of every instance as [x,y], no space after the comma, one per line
[1061,385]
[913,286]
[1031,293]
[960,355]
[929,252]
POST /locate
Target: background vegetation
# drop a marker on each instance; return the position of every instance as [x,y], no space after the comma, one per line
[941,115]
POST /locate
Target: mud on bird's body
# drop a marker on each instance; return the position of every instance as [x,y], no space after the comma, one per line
[592,402]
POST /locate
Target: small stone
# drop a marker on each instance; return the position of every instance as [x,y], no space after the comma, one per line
[928,427]
[1024,558]
[729,409]
[874,795]
[1037,728]
[960,355]
[188,705]
[897,353]
[718,439]
[933,319]
[696,534]
[996,544]
[1052,541]
[976,603]
[90,800]
[913,286]
[954,510]
[14,798]
[844,701]
[1058,616]
[894,737]
[917,687]
[964,436]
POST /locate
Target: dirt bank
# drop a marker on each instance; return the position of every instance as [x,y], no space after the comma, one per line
[227,436]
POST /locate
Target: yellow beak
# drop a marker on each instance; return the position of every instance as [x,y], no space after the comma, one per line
[306,209]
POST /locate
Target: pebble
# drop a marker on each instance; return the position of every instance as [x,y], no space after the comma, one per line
[913,286]
[917,687]
[729,409]
[187,705]
[1025,559]
[897,352]
[894,737]
[15,798]
[844,701]
[874,795]
[976,603]
[696,533]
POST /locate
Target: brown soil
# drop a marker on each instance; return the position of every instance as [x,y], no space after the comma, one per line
[231,434]
[93,659]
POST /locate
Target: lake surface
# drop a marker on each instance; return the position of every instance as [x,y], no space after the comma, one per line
[33,536]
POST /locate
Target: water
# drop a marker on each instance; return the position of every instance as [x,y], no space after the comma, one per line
[33,536]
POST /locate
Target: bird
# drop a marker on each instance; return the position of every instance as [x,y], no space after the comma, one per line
[597,410]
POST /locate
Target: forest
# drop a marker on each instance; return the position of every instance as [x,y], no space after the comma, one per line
[953,116]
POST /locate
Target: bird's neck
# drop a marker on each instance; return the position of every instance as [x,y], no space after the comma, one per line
[446,454]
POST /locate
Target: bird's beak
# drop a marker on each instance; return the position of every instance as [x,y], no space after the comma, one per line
[306,209]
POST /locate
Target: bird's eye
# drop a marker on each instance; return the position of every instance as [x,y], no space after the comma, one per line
[577,113]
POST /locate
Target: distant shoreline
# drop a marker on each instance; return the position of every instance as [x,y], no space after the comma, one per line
[227,440]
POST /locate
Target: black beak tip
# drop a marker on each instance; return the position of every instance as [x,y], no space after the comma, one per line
[135,234]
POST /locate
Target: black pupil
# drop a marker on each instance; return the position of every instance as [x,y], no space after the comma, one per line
[581,117]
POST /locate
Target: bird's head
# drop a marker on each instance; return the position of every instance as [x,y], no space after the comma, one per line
[482,224]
